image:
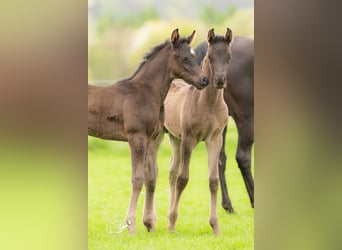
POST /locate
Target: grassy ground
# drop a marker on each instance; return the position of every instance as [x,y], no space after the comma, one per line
[109,191]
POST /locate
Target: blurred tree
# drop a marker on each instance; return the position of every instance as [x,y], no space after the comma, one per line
[211,16]
[132,20]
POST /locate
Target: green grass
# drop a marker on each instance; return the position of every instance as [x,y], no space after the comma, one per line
[109,174]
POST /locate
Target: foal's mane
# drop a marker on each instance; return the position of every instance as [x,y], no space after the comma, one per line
[150,54]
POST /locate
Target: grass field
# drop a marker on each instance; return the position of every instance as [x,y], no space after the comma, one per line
[109,174]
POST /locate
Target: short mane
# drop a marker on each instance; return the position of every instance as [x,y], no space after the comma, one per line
[150,54]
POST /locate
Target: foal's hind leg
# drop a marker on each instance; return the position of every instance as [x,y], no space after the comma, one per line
[151,173]
[187,144]
[138,147]
[213,149]
[243,157]
[226,203]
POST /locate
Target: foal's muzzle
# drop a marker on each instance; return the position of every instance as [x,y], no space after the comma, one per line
[204,82]
[220,81]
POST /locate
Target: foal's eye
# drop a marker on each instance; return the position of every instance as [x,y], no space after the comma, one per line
[185,59]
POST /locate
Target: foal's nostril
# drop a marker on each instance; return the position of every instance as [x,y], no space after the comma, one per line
[205,81]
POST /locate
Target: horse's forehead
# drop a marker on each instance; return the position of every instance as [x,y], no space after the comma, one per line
[185,49]
[219,48]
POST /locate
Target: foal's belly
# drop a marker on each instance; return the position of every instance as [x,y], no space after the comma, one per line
[105,128]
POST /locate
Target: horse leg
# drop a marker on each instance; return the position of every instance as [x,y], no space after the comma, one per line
[226,203]
[138,147]
[151,174]
[243,157]
[213,150]
[174,166]
[186,146]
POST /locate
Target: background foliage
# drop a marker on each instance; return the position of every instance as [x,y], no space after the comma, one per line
[120,33]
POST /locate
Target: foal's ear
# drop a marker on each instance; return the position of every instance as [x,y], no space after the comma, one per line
[191,38]
[211,35]
[229,36]
[174,36]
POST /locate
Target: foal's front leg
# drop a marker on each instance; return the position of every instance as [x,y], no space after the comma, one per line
[186,147]
[213,149]
[138,147]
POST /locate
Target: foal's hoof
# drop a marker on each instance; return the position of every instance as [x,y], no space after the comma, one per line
[171,228]
[150,227]
[230,211]
[229,208]
[215,226]
[217,231]
[131,230]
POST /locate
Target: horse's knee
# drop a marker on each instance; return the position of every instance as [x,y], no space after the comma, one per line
[182,181]
[213,184]
[137,183]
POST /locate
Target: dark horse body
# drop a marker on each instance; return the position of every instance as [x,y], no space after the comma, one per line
[132,110]
[239,96]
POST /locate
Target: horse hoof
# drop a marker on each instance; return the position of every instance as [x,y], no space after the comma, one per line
[171,229]
[131,231]
[230,211]
[229,208]
[150,226]
[217,231]
[151,229]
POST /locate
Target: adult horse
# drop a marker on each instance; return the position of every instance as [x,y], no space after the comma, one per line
[132,110]
[192,116]
[239,96]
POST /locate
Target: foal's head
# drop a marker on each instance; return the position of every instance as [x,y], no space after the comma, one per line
[183,61]
[218,55]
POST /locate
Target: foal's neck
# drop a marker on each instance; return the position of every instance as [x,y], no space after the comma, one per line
[154,75]
[210,95]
